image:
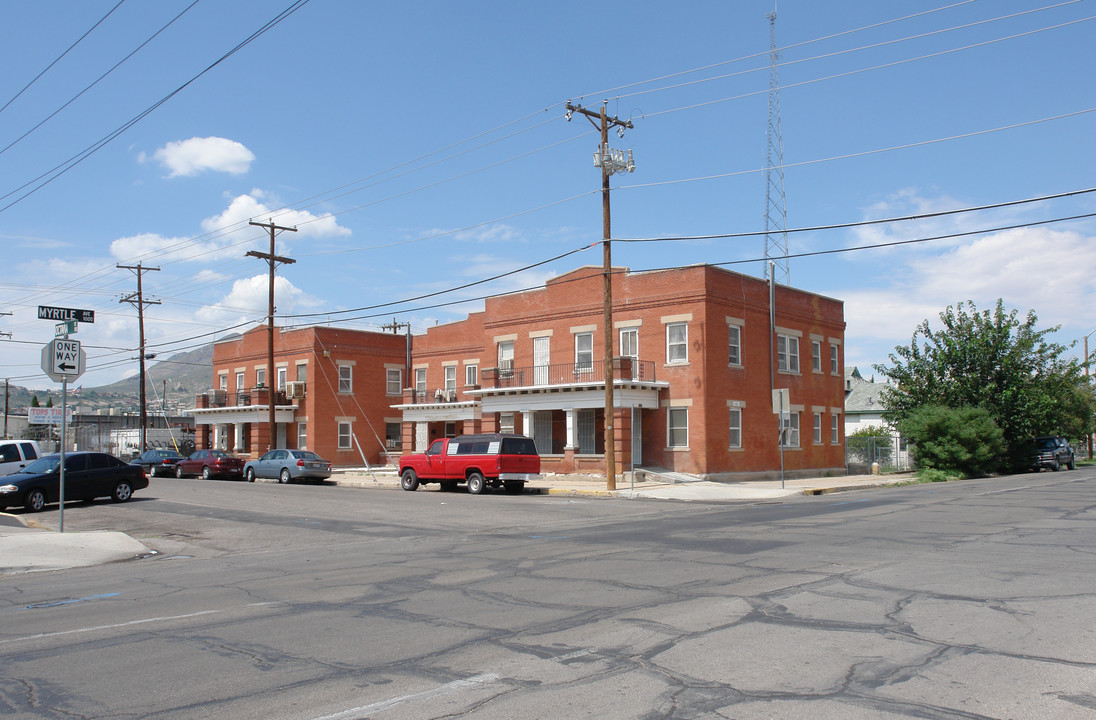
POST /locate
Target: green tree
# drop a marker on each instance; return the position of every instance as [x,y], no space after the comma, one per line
[964,439]
[872,443]
[996,361]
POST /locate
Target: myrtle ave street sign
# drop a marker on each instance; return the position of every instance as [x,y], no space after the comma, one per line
[45,312]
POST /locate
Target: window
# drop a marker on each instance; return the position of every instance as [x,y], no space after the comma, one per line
[302,436]
[834,432]
[678,427]
[834,364]
[224,381]
[587,432]
[734,352]
[346,378]
[393,381]
[281,377]
[736,427]
[302,372]
[677,343]
[816,356]
[584,352]
[790,435]
[818,428]
[392,435]
[506,355]
[787,353]
[239,381]
[450,377]
[506,422]
[471,375]
[344,436]
[260,376]
[629,342]
[420,380]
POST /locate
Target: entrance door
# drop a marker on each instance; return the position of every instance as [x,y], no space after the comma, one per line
[540,361]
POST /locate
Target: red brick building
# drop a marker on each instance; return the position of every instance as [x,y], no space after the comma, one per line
[694,362]
[333,392]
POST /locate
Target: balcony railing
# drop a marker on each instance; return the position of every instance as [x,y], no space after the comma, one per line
[624,368]
[240,398]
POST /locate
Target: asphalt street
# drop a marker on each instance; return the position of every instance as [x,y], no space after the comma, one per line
[955,600]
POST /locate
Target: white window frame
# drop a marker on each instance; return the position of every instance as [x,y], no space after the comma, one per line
[734,345]
[224,381]
[816,356]
[629,347]
[734,425]
[789,436]
[677,349]
[346,378]
[835,435]
[675,426]
[506,354]
[471,375]
[420,380]
[818,428]
[584,352]
[450,377]
[302,436]
[346,435]
[835,367]
[282,374]
[302,372]
[393,375]
[787,353]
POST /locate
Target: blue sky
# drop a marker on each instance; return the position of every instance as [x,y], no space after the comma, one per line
[421,146]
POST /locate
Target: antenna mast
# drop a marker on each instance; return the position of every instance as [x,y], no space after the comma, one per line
[776,209]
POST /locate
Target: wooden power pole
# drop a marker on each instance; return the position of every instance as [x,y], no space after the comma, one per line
[137,299]
[609,162]
[271,378]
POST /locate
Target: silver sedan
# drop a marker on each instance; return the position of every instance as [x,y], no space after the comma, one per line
[286,465]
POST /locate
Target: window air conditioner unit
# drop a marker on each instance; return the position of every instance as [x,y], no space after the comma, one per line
[295,389]
[219,396]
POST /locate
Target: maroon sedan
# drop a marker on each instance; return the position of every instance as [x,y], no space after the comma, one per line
[211,463]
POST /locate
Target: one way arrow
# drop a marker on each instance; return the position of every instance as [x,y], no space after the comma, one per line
[66,366]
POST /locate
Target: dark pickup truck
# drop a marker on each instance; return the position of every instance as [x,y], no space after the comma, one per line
[490,459]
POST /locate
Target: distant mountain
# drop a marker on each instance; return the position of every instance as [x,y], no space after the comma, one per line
[183,375]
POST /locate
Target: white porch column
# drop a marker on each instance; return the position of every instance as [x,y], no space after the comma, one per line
[527,423]
[572,430]
[218,433]
[239,440]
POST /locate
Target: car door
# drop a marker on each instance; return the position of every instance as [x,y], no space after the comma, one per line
[100,476]
[78,484]
[276,463]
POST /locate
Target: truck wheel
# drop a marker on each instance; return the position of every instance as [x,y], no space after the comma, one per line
[476,483]
[1071,464]
[1055,467]
[409,480]
[514,487]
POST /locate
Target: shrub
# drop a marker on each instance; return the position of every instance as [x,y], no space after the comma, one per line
[963,439]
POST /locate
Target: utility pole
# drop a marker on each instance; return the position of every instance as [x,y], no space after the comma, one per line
[137,299]
[610,161]
[776,207]
[395,328]
[270,376]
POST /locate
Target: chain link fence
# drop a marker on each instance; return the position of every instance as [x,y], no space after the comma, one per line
[861,453]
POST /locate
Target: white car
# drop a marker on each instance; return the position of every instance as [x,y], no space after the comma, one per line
[16,454]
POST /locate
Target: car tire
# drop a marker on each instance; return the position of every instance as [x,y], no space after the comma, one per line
[178,471]
[409,480]
[1056,466]
[152,471]
[1071,464]
[283,476]
[206,474]
[34,500]
[123,491]
[476,483]
[249,475]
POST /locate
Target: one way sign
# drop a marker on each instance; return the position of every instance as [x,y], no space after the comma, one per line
[63,360]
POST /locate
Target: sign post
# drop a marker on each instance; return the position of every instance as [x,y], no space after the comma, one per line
[781,407]
[63,360]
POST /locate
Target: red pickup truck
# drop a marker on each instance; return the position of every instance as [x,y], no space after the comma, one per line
[495,459]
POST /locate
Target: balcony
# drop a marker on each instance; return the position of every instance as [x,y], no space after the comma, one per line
[624,368]
[244,397]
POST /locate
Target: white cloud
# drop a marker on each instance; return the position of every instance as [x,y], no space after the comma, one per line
[248,207]
[196,155]
[249,299]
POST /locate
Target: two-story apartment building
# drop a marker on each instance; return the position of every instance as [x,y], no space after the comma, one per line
[695,359]
[333,392]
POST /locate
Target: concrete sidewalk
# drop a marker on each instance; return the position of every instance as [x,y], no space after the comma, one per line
[26,547]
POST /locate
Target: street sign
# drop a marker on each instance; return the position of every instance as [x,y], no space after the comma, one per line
[45,312]
[63,360]
[68,327]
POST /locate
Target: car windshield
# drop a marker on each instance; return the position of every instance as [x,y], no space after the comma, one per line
[1047,443]
[43,465]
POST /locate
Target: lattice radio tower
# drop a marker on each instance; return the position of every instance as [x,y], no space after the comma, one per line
[776,210]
